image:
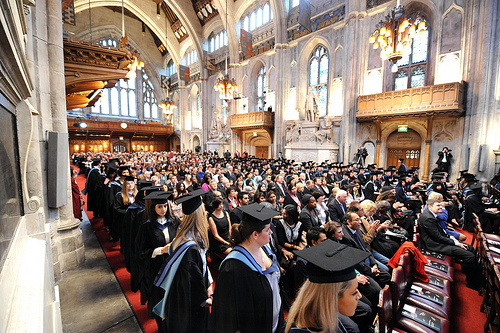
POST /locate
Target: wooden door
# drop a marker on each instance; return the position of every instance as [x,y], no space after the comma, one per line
[262,151]
[411,157]
[119,147]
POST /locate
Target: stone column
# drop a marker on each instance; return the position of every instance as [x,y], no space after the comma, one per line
[428,142]
[378,142]
[280,102]
[68,237]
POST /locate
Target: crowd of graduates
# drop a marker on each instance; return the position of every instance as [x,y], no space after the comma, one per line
[255,220]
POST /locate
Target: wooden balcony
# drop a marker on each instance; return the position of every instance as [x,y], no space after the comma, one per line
[113,128]
[252,120]
[445,98]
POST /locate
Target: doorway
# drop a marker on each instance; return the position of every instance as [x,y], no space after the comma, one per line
[119,147]
[406,145]
[262,151]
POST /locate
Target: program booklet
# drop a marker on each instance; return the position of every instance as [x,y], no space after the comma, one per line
[422,317]
[437,265]
[427,294]
[434,254]
[435,281]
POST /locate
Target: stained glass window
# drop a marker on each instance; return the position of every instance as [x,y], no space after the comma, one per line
[150,101]
[261,89]
[412,68]
[318,77]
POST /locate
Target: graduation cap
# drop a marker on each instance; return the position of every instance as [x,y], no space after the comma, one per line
[114,160]
[158,197]
[112,166]
[257,214]
[331,262]
[476,186]
[464,171]
[96,161]
[191,201]
[387,188]
[414,168]
[401,160]
[144,183]
[150,189]
[129,179]
[123,167]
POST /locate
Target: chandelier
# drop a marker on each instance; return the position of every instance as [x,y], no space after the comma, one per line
[394,36]
[167,106]
[226,87]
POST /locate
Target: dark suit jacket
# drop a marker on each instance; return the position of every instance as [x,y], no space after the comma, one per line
[279,192]
[432,235]
[307,218]
[349,240]
[335,210]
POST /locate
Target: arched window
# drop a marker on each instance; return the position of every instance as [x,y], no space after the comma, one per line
[318,77]
[212,45]
[261,89]
[259,17]
[246,23]
[412,68]
[150,101]
[266,14]
[171,69]
[253,21]
[119,101]
[216,42]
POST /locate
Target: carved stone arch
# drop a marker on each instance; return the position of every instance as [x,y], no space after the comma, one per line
[448,27]
[230,27]
[186,47]
[214,24]
[157,27]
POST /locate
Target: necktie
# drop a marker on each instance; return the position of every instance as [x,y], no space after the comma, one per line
[367,261]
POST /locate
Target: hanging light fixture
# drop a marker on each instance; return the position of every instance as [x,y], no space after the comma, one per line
[225,86]
[167,106]
[394,36]
[136,61]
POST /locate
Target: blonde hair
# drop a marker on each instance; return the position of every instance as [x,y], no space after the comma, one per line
[435,196]
[125,197]
[368,206]
[316,305]
[195,222]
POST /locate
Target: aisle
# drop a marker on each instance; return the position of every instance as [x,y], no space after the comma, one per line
[117,262]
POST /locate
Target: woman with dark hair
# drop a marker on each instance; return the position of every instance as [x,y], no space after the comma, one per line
[247,295]
[207,177]
[259,197]
[271,198]
[371,188]
[220,228]
[153,241]
[262,188]
[291,197]
[181,188]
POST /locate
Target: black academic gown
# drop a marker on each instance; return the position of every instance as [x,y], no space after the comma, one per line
[149,238]
[95,187]
[184,313]
[132,221]
[243,300]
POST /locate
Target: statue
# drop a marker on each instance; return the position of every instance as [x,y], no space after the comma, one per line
[324,133]
[311,106]
[293,132]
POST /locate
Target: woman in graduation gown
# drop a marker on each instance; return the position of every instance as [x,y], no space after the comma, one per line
[122,200]
[247,295]
[331,289]
[153,240]
[185,277]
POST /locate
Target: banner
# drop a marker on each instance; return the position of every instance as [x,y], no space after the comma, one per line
[305,14]
[184,73]
[165,82]
[246,42]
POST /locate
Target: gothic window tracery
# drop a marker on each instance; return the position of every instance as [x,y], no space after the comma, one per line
[318,77]
[150,101]
[412,68]
[217,41]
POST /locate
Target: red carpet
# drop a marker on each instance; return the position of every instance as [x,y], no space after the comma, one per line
[117,263]
[466,317]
